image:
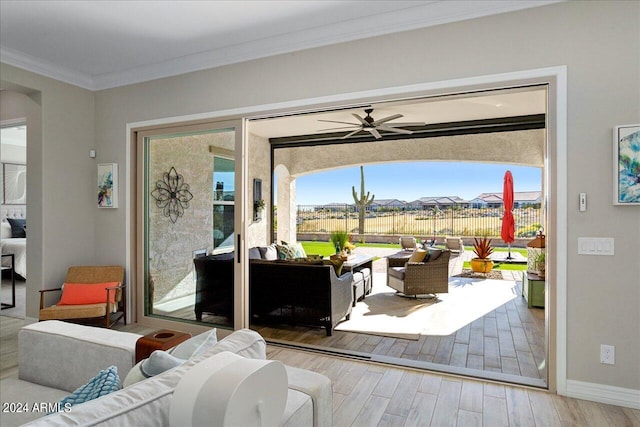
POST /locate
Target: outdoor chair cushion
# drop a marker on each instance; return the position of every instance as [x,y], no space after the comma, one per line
[418,255]
[397,272]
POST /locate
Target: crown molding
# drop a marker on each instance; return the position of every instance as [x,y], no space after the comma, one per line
[424,15]
[45,68]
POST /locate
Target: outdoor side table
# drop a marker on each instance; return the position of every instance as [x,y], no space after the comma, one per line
[13,282]
[163,339]
[533,290]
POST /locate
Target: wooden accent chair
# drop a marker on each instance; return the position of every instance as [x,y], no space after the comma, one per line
[108,313]
[420,278]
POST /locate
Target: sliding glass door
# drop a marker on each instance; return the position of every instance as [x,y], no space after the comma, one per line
[191,217]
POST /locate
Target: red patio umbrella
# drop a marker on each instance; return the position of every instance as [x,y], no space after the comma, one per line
[508,223]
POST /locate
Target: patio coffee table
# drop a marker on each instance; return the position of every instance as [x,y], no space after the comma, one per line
[358,262]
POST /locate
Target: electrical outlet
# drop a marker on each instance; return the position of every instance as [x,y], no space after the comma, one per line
[607,354]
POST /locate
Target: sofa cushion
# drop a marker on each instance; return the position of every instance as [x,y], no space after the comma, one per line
[93,348]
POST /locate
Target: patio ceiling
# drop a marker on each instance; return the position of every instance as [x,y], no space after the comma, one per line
[514,107]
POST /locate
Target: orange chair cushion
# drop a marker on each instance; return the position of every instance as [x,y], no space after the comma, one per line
[87,293]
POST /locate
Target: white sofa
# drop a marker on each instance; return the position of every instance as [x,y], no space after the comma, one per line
[55,358]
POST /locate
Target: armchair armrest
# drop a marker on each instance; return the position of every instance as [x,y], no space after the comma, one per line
[42,292]
[397,262]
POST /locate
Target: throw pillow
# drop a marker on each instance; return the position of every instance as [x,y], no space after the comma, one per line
[336,262]
[268,253]
[87,293]
[159,362]
[286,252]
[195,345]
[418,255]
[434,254]
[105,382]
[17,228]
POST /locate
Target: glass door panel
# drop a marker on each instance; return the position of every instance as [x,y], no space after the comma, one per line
[189,221]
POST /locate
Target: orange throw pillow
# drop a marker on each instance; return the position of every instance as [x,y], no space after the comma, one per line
[87,293]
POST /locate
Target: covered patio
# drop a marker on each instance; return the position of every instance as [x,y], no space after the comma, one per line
[501,339]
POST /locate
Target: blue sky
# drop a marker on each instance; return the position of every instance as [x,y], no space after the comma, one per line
[410,181]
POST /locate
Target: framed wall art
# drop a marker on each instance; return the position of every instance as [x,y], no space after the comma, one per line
[108,185]
[626,165]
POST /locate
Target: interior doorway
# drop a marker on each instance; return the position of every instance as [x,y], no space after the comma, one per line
[486,130]
[13,200]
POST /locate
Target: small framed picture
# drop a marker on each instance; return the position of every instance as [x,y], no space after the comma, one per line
[108,185]
[626,165]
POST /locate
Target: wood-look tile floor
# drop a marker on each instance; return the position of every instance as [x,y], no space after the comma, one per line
[509,340]
[368,394]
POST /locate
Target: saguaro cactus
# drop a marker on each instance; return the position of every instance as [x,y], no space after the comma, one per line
[362,201]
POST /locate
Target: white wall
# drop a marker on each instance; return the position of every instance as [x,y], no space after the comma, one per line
[599,43]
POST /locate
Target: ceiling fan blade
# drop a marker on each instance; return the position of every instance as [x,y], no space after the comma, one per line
[387,119]
[407,124]
[374,132]
[351,134]
[341,127]
[394,129]
[335,121]
[360,119]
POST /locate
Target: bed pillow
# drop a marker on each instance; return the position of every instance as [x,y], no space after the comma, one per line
[105,382]
[87,293]
[17,228]
[6,231]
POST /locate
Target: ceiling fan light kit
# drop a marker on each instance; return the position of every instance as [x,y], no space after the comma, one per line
[369,124]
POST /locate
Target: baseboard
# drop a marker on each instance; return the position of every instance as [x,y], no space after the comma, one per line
[602,393]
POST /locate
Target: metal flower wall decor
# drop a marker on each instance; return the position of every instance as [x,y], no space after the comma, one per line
[172,195]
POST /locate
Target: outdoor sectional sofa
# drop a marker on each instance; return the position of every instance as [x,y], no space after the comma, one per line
[55,358]
[293,292]
[299,293]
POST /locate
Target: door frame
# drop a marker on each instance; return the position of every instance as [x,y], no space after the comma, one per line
[135,235]
[557,206]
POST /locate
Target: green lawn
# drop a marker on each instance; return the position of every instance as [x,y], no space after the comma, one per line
[326,248]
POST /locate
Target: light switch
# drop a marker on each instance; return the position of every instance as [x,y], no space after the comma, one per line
[596,246]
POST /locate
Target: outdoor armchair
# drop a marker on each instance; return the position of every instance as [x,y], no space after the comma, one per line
[420,278]
[408,242]
[454,244]
[89,294]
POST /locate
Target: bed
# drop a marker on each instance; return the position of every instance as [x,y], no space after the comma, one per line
[13,245]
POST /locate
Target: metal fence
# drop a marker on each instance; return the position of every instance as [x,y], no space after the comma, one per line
[455,221]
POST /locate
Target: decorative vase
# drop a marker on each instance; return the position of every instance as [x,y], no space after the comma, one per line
[480,265]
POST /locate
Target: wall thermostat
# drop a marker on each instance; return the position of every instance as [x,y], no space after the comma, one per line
[583,202]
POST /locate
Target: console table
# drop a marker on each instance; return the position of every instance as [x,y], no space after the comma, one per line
[13,282]
[533,290]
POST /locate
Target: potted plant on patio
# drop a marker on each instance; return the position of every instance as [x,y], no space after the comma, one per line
[338,240]
[483,250]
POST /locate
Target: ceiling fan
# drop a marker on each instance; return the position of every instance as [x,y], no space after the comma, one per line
[369,124]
